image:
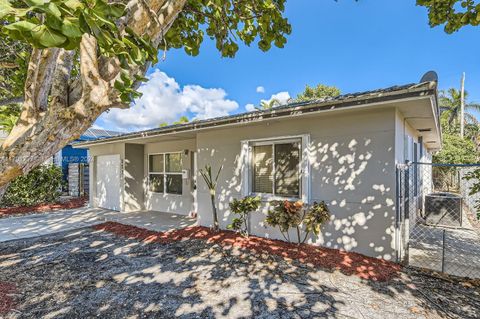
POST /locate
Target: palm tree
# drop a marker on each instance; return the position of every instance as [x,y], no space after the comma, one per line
[450,106]
[267,105]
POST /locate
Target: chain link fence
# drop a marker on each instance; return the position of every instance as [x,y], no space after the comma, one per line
[438,217]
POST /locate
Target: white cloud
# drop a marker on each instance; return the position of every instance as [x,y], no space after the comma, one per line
[281,97]
[163,100]
[260,89]
[250,107]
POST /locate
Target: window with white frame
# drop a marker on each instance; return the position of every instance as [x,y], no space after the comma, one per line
[276,167]
[165,173]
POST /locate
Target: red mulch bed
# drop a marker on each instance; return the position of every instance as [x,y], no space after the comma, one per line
[348,263]
[6,301]
[41,208]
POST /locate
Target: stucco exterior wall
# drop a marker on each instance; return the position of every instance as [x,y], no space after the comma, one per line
[172,203]
[107,149]
[134,195]
[353,170]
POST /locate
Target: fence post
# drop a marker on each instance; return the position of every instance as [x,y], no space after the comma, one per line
[443,251]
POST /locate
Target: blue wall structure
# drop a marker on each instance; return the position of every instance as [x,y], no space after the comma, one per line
[79,155]
[72,155]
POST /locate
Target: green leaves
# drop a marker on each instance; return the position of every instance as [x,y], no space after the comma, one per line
[208,177]
[242,209]
[286,215]
[230,22]
[21,26]
[40,185]
[47,37]
[456,150]
[62,24]
[70,28]
[58,23]
[316,216]
[453,14]
[317,92]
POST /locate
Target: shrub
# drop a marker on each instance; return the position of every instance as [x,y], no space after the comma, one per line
[242,208]
[475,188]
[287,214]
[317,215]
[212,187]
[40,185]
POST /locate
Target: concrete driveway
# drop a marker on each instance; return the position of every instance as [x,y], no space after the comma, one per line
[13,228]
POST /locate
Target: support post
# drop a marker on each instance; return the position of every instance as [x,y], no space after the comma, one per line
[462,106]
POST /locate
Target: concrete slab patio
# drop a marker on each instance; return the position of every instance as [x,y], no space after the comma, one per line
[453,251]
[28,226]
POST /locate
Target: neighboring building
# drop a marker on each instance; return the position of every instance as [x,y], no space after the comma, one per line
[74,159]
[343,150]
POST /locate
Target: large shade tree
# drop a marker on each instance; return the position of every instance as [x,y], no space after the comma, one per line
[88,56]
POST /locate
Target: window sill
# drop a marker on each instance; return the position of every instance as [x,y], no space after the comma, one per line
[169,194]
[270,197]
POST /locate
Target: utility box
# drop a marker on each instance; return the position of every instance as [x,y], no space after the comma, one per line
[443,209]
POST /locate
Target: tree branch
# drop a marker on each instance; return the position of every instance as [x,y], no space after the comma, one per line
[12,100]
[8,65]
[59,90]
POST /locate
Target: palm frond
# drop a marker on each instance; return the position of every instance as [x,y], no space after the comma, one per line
[472,106]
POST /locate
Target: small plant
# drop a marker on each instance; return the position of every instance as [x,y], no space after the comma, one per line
[475,177]
[243,208]
[212,186]
[317,215]
[287,214]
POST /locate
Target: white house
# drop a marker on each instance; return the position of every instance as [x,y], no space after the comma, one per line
[342,150]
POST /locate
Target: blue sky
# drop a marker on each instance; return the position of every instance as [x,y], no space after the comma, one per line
[355,46]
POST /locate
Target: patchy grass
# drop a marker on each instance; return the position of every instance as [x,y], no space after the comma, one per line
[43,208]
[348,263]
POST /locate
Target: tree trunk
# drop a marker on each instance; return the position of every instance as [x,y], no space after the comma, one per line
[58,107]
[214,210]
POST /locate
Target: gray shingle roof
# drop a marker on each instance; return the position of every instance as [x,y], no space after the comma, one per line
[345,100]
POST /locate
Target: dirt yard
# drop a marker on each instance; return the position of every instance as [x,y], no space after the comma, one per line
[95,273]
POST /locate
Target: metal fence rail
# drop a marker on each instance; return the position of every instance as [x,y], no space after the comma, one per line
[437,218]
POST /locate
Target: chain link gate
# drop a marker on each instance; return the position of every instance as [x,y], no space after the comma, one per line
[437,220]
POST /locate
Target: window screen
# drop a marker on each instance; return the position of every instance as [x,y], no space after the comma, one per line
[263,169]
[276,169]
[287,177]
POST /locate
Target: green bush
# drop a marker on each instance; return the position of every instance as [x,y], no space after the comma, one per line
[475,189]
[40,185]
[287,214]
[242,208]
